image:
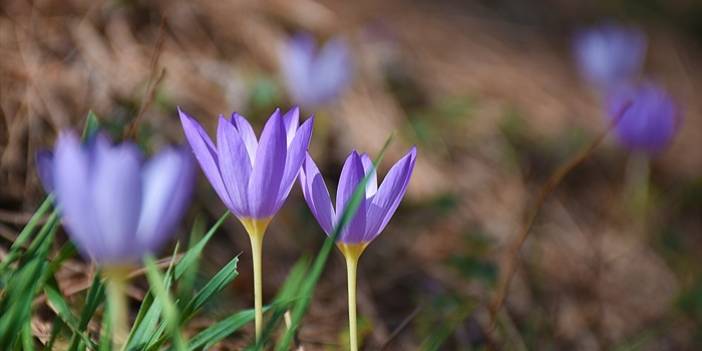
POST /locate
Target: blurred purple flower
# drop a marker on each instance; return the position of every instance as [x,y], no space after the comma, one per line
[610,55]
[376,208]
[115,207]
[253,178]
[314,77]
[649,117]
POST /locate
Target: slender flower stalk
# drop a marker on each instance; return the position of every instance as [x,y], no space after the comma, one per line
[115,207]
[374,212]
[252,177]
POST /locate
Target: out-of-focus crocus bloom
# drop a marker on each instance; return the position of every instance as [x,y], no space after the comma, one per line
[116,208]
[373,214]
[314,77]
[252,177]
[610,55]
[648,117]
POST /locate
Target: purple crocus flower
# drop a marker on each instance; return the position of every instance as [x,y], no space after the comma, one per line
[253,178]
[314,77]
[115,207]
[376,208]
[610,55]
[373,214]
[649,117]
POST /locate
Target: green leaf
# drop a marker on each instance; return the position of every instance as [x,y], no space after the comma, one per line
[220,330]
[170,313]
[25,234]
[64,312]
[92,125]
[186,284]
[320,261]
[92,301]
[214,286]
[192,255]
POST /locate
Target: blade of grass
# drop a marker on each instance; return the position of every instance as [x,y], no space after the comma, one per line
[64,312]
[170,313]
[214,286]
[94,298]
[319,263]
[220,330]
[25,234]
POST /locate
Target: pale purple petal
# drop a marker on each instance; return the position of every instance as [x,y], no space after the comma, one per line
[316,195]
[372,186]
[206,154]
[72,181]
[351,175]
[167,184]
[332,69]
[389,195]
[268,168]
[296,61]
[295,157]
[116,193]
[45,169]
[247,135]
[291,120]
[234,165]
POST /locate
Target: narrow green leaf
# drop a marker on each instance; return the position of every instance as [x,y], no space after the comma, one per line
[220,330]
[214,286]
[309,284]
[170,313]
[26,233]
[92,125]
[186,284]
[64,312]
[192,255]
[94,298]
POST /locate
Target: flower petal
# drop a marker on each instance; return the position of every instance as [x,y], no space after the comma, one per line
[351,175]
[72,181]
[45,169]
[295,157]
[268,168]
[389,195]
[247,135]
[167,184]
[234,165]
[206,155]
[372,186]
[116,197]
[316,195]
[291,120]
[332,69]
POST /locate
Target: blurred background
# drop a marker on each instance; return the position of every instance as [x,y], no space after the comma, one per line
[490,93]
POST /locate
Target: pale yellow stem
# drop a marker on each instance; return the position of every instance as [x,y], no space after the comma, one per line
[352,252]
[116,287]
[256,228]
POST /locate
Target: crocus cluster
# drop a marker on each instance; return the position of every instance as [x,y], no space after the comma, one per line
[116,207]
[313,76]
[611,57]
